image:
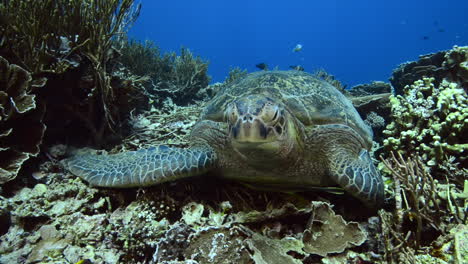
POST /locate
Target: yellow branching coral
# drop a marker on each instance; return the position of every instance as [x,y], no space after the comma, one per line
[456,60]
[430,121]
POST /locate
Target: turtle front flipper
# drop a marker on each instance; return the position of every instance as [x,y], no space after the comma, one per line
[358,176]
[141,168]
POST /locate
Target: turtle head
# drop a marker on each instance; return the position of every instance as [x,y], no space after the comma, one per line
[259,126]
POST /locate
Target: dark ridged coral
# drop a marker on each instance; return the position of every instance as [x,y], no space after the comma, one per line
[21,129]
[451,65]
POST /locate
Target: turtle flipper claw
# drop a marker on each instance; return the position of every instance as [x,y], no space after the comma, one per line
[141,168]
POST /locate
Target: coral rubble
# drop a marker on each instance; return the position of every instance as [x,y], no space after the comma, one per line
[65,220]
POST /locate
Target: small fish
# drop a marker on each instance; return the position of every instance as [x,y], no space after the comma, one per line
[297,67]
[262,66]
[425,37]
[297,48]
[441,30]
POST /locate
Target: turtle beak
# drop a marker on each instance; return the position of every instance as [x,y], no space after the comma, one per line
[249,129]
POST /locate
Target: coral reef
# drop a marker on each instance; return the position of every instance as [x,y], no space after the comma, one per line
[46,42]
[456,60]
[223,236]
[169,125]
[42,219]
[93,80]
[21,127]
[375,87]
[432,121]
[188,74]
[70,43]
[327,233]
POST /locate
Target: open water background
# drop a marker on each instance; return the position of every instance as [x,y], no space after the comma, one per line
[357,41]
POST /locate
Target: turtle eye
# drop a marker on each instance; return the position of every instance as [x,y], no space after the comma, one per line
[270,113]
[276,114]
[231,114]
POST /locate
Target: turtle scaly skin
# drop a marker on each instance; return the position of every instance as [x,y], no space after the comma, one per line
[282,130]
[143,167]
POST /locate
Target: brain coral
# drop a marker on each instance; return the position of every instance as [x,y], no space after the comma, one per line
[21,129]
[431,121]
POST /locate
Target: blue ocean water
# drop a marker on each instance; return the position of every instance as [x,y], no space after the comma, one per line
[357,41]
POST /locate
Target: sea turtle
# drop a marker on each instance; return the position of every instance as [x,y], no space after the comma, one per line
[283,130]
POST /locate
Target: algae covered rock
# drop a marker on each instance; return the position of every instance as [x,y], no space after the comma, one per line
[21,129]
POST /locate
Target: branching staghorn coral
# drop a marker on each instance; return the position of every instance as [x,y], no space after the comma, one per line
[422,205]
[414,190]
